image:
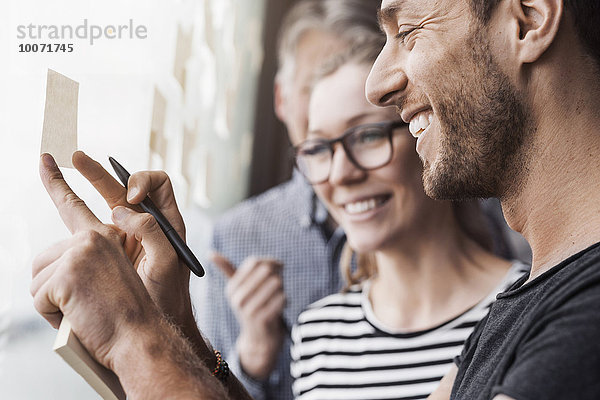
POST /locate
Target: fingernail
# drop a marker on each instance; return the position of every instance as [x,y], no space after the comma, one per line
[214,256]
[120,213]
[48,161]
[132,192]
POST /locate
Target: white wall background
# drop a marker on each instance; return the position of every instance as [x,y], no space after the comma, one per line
[117,80]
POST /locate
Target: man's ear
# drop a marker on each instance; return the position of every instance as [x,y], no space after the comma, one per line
[279,100]
[539,22]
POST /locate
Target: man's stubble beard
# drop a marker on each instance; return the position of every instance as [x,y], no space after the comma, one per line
[484,128]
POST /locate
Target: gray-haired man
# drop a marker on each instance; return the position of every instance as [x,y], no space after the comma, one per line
[285,247]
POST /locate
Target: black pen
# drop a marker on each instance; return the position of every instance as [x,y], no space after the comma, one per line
[182,250]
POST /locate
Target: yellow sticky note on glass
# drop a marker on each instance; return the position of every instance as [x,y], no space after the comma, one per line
[158,142]
[183,50]
[59,134]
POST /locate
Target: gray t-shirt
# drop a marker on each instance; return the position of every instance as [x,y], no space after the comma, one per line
[540,340]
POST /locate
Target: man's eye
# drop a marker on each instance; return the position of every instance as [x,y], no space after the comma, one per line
[403,34]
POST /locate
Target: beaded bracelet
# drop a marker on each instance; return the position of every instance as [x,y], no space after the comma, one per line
[221,370]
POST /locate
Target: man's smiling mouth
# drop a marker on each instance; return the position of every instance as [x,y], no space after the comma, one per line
[420,122]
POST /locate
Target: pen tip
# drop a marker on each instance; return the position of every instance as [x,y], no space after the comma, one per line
[116,166]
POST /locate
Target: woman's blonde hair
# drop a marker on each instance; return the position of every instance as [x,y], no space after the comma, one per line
[366,266]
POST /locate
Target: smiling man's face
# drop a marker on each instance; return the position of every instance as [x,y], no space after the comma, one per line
[438,68]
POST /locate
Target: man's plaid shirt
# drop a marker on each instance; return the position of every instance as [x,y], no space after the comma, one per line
[287,223]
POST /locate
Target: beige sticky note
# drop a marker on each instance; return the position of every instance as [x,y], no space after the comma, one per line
[102,380]
[158,142]
[189,142]
[59,134]
[183,51]
[202,185]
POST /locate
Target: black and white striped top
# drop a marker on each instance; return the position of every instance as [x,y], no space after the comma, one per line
[341,351]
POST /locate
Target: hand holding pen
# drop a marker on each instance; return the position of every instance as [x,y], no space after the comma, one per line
[164,275]
[182,250]
[106,281]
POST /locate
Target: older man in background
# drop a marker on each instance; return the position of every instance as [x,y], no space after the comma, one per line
[279,251]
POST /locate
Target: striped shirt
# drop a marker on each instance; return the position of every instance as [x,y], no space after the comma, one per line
[341,351]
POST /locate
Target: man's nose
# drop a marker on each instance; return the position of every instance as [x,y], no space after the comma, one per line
[387,80]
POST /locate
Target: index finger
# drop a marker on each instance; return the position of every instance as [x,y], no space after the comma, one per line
[223,263]
[109,188]
[251,264]
[71,208]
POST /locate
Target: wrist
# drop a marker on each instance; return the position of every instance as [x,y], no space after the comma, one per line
[137,345]
[173,299]
[258,354]
[154,362]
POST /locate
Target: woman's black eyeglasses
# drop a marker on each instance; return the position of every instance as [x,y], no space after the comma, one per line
[367,146]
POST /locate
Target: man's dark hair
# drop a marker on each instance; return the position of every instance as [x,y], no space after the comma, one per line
[584,13]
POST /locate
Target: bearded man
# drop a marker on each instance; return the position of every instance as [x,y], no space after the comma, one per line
[503,97]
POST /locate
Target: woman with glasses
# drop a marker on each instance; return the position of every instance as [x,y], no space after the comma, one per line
[425,273]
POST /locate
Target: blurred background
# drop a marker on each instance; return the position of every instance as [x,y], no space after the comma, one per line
[194,98]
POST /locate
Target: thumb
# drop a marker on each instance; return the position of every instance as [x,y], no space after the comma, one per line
[223,263]
[146,230]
